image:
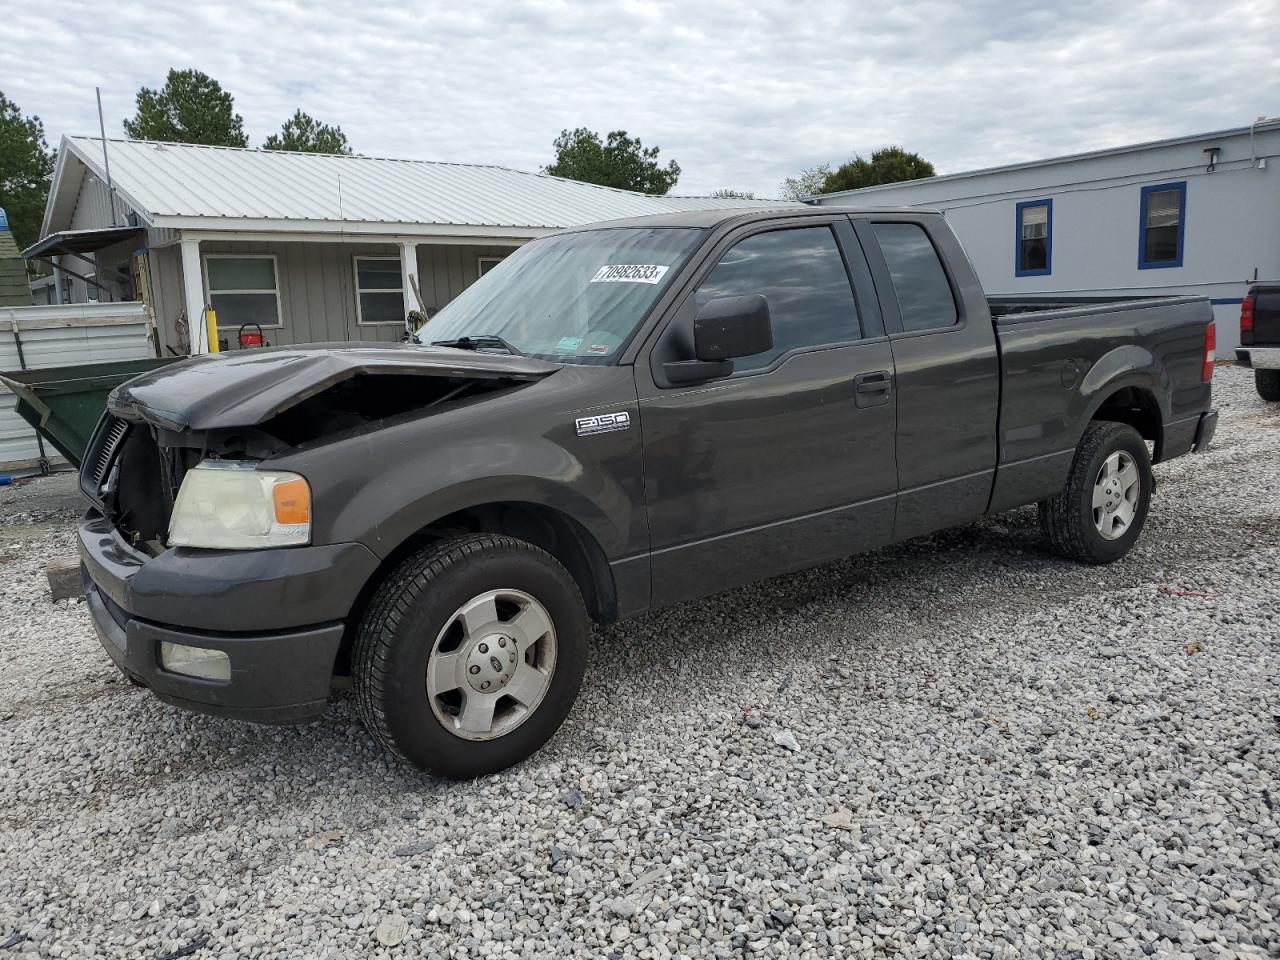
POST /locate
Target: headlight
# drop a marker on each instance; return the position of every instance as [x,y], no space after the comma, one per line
[232,506]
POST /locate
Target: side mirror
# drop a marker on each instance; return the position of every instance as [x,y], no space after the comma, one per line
[724,329]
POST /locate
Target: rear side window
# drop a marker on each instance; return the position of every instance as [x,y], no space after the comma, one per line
[802,275]
[924,296]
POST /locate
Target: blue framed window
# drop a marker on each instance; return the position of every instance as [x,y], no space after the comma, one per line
[1033,238]
[1162,224]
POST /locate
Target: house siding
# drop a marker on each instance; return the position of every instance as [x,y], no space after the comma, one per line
[93,206]
[316,282]
[445,271]
[165,267]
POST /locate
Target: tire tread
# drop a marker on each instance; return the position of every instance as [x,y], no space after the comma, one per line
[1060,519]
[1268,384]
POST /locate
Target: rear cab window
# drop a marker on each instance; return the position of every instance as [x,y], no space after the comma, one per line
[920,284]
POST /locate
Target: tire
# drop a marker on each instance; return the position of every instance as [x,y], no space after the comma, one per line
[1268,384]
[440,604]
[1073,525]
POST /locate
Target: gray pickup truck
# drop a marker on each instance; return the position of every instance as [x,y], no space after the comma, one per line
[1260,338]
[616,418]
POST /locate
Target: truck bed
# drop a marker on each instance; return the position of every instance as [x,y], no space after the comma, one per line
[1054,350]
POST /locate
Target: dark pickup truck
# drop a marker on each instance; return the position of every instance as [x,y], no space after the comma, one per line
[1260,338]
[616,418]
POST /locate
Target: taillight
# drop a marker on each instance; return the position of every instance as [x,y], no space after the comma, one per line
[1210,350]
[1246,321]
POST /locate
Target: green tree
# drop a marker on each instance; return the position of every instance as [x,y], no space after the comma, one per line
[305,134]
[887,165]
[191,107]
[730,194]
[25,168]
[619,161]
[806,184]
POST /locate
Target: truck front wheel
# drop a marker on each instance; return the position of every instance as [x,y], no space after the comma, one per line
[1268,384]
[470,655]
[1099,514]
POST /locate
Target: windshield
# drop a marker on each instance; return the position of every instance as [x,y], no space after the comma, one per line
[575,297]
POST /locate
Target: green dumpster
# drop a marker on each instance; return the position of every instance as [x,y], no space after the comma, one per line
[64,404]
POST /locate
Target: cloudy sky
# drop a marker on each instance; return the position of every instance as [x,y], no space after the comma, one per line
[741,94]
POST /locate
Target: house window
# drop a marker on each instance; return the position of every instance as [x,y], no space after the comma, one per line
[1163,211]
[488,263]
[379,290]
[1034,223]
[243,289]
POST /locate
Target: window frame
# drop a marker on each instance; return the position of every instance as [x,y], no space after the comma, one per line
[275,273]
[1047,270]
[355,273]
[482,260]
[1180,187]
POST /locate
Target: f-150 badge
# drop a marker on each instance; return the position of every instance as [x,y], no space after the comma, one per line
[603,423]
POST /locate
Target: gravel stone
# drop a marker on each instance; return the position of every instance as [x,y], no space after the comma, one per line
[1021,756]
[786,740]
[622,907]
[415,849]
[392,931]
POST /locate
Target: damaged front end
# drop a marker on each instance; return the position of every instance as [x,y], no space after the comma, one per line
[256,406]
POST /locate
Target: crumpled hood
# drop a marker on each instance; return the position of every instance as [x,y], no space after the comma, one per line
[245,388]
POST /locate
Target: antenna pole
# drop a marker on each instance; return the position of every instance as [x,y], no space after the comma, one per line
[106,161]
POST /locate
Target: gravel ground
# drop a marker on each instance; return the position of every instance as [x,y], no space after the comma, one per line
[960,746]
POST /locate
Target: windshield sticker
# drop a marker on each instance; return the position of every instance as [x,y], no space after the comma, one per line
[630,273]
[598,348]
[569,343]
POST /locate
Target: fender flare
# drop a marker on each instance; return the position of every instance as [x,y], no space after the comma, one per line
[1128,366]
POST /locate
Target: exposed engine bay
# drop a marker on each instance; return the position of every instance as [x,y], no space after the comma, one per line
[146,445]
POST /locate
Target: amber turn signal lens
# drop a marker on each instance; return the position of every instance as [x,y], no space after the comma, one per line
[292,501]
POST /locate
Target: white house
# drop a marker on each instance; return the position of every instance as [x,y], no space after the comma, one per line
[1191,215]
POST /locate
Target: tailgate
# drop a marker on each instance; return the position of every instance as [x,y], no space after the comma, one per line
[1266,314]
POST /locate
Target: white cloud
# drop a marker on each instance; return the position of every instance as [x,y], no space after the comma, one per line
[741,95]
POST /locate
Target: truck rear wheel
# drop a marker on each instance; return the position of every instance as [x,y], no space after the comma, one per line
[470,655]
[1268,384]
[1100,513]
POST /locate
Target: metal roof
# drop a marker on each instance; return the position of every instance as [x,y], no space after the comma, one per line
[186,186]
[1259,126]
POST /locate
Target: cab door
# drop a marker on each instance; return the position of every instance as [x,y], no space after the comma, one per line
[948,370]
[791,461]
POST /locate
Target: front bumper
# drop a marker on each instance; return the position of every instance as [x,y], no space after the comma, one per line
[1260,358]
[277,614]
[275,677]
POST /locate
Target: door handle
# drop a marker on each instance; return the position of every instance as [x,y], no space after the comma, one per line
[878,382]
[872,389]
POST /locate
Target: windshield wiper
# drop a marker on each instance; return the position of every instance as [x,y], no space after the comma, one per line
[477,342]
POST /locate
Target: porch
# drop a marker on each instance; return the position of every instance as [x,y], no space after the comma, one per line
[306,291]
